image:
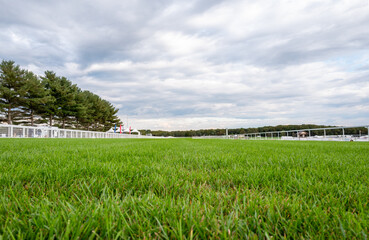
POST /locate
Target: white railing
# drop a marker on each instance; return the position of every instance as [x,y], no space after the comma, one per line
[317,134]
[307,134]
[17,131]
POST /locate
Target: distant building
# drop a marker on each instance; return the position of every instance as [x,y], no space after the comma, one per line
[302,134]
[124,131]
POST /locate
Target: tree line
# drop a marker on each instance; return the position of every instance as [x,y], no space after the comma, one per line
[29,99]
[238,131]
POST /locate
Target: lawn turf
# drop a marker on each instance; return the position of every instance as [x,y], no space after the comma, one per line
[183,188]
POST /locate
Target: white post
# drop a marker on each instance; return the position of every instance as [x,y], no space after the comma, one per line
[343,134]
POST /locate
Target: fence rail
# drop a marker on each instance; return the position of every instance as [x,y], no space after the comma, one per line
[16,131]
[353,133]
[317,134]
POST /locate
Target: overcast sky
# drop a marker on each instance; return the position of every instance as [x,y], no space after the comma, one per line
[202,64]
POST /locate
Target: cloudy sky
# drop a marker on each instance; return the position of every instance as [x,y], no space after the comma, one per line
[191,64]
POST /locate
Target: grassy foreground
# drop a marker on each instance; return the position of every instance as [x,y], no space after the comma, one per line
[183,188]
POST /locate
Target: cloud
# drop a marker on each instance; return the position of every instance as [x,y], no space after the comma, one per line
[202,64]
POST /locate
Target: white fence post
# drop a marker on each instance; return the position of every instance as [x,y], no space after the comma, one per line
[343,134]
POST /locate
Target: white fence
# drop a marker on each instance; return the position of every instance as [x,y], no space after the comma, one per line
[16,131]
[317,134]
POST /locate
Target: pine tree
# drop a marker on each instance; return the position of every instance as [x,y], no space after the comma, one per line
[98,112]
[11,82]
[51,84]
[84,109]
[63,94]
[25,96]
[110,117]
[67,101]
[34,97]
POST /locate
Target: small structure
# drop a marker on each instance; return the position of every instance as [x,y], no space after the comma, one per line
[124,131]
[302,134]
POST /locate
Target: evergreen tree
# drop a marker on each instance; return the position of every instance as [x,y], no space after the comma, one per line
[110,117]
[84,110]
[34,97]
[66,101]
[11,82]
[51,83]
[98,112]
[62,102]
[25,95]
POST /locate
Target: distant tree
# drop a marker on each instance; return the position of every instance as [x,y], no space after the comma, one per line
[66,101]
[62,102]
[97,114]
[24,96]
[104,114]
[51,83]
[34,97]
[80,110]
[110,117]
[11,82]
[84,109]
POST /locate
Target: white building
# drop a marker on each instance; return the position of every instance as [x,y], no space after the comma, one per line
[124,130]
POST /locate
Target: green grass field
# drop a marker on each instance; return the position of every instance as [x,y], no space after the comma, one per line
[183,188]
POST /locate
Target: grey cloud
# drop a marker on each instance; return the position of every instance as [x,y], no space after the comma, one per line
[221,63]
